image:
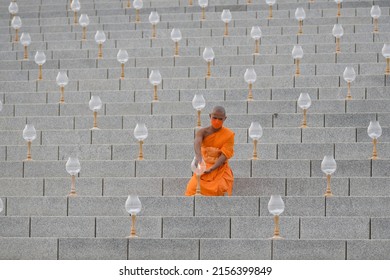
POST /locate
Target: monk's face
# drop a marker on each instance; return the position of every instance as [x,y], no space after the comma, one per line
[217,118]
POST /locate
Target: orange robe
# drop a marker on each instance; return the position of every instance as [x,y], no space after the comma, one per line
[219,181]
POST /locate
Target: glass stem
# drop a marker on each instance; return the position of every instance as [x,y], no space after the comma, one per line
[141,154]
[304,121]
[123,71]
[337,45]
[270,12]
[62,97]
[374,151]
[176,48]
[376,30]
[84,33]
[255,149]
[300,27]
[199,121]
[208,69]
[129,4]
[154,31]
[25,53]
[73,186]
[349,96]
[189,2]
[75,18]
[40,72]
[226,33]
[95,119]
[155,97]
[100,53]
[276,229]
[250,93]
[137,19]
[257,46]
[132,230]
[29,150]
[338,9]
[203,13]
[16,35]
[328,190]
[297,69]
[388,66]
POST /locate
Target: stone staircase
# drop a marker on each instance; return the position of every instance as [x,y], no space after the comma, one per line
[39,221]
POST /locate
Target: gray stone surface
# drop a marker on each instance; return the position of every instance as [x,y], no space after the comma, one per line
[14,226]
[369,187]
[163,249]
[263,227]
[36,206]
[237,249]
[146,227]
[335,228]
[226,206]
[358,206]
[21,187]
[196,227]
[14,248]
[92,249]
[368,250]
[317,186]
[62,227]
[309,250]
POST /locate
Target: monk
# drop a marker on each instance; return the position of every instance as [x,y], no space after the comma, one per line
[214,145]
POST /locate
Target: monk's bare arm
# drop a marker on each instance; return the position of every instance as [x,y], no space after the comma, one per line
[221,160]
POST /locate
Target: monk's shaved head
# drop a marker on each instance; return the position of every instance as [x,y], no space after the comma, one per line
[219,109]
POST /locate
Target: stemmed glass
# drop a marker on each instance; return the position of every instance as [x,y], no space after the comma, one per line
[154,19]
[137,4]
[155,79]
[73,167]
[255,133]
[374,130]
[25,40]
[75,6]
[226,17]
[100,38]
[304,102]
[208,55]
[140,133]
[198,103]
[13,8]
[270,3]
[122,58]
[386,54]
[300,15]
[250,77]
[203,4]
[338,7]
[40,59]
[338,32]
[256,35]
[29,134]
[95,104]
[328,166]
[276,207]
[375,14]
[16,24]
[176,37]
[62,80]
[198,170]
[84,22]
[349,76]
[133,207]
[297,54]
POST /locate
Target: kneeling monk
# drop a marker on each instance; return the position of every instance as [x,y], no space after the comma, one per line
[215,145]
